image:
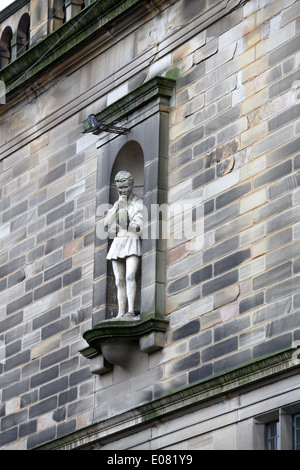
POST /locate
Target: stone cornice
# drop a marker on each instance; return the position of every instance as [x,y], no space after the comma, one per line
[262,370]
[12,8]
[55,47]
[156,87]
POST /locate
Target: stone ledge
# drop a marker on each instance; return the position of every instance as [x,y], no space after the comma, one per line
[110,341]
[266,369]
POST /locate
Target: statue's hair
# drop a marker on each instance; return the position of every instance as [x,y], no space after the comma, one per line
[123,176]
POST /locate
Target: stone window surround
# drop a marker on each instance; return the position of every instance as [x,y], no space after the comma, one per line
[284,416]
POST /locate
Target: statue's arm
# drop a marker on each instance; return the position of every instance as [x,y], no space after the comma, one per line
[110,218]
[136,222]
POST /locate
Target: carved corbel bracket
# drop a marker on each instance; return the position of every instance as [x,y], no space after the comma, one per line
[110,341]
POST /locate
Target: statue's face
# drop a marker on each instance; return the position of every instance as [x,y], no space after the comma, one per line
[124,188]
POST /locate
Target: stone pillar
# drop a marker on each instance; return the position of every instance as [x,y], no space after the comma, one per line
[39,20]
[72,8]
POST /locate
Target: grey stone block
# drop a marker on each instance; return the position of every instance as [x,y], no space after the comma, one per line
[15,211]
[57,269]
[41,437]
[205,146]
[232,194]
[272,276]
[188,362]
[285,84]
[283,118]
[25,429]
[201,275]
[234,360]
[283,51]
[15,278]
[15,390]
[273,208]
[284,253]
[44,377]
[222,120]
[220,349]
[221,216]
[178,285]
[6,437]
[72,276]
[68,396]
[231,261]
[47,289]
[59,241]
[23,219]
[204,177]
[49,232]
[35,254]
[55,357]
[231,328]
[196,73]
[11,322]
[289,217]
[181,159]
[52,176]
[19,303]
[284,185]
[56,386]
[233,227]
[221,249]
[273,345]
[284,151]
[186,171]
[251,303]
[51,203]
[61,212]
[186,330]
[17,360]
[273,174]
[66,427]
[220,282]
[188,139]
[200,373]
[283,324]
[80,376]
[283,289]
[55,327]
[12,266]
[198,341]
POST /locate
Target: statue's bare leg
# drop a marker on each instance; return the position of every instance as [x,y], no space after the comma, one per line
[119,268]
[132,264]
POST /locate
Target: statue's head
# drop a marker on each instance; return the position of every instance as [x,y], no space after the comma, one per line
[124,176]
[124,182]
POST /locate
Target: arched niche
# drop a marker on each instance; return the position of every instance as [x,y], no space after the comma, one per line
[129,158]
[23,34]
[5,47]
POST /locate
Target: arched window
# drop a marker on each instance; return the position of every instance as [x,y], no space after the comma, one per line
[23,34]
[5,47]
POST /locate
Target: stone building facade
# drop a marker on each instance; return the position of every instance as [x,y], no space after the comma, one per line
[200,100]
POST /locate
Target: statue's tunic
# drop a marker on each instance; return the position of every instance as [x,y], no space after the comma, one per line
[127,241]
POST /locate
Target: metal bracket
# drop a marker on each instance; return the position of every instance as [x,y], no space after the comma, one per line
[100,126]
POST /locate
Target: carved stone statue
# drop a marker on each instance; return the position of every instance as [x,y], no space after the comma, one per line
[125,220]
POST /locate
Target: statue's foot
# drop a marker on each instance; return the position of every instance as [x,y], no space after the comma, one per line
[120,315]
